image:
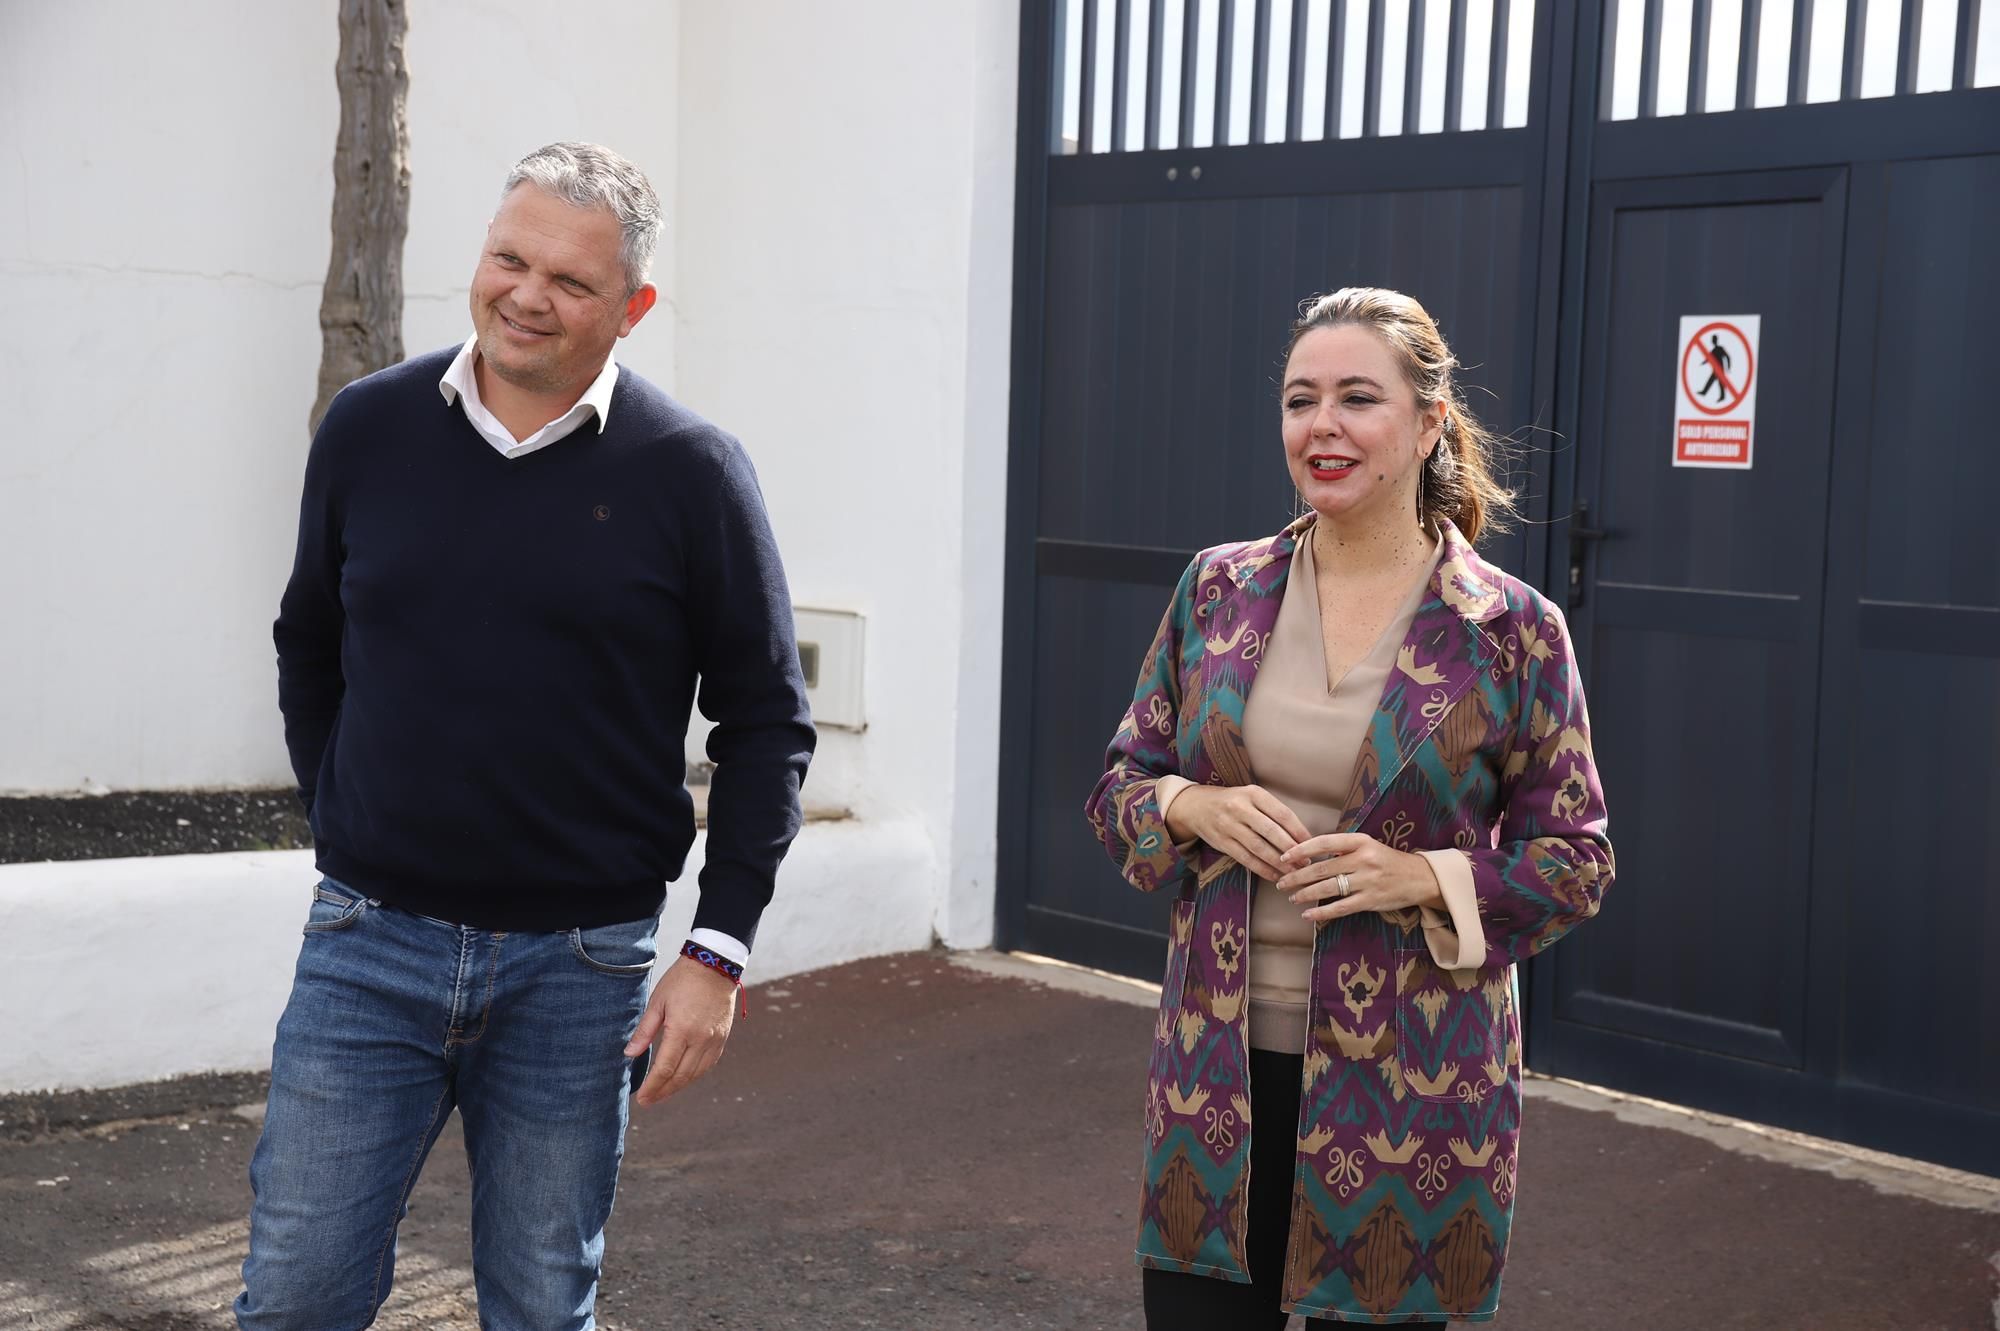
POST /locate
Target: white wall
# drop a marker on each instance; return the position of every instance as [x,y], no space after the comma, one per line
[159,353]
[845,291]
[490,82]
[165,180]
[836,290]
[203,946]
[965,917]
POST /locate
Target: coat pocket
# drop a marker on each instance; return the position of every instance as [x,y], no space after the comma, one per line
[1180,931]
[1166,1066]
[1454,1029]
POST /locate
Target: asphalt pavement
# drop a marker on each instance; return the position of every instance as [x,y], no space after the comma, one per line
[934,1143]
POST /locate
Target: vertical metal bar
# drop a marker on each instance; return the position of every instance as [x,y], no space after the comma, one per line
[1043,45]
[1649,59]
[1700,21]
[1963,67]
[1295,86]
[1260,72]
[1371,84]
[1912,40]
[1801,66]
[1566,100]
[1121,71]
[1746,54]
[1413,67]
[1454,68]
[1847,338]
[1565,283]
[1156,47]
[1190,57]
[1499,43]
[1852,42]
[1225,65]
[1336,65]
[1059,50]
[1086,83]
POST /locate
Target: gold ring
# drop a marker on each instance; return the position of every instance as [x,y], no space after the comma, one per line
[1343,884]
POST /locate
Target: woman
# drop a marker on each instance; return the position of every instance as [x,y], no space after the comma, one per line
[1360,849]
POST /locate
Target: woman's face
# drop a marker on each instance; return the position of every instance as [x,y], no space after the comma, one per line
[1354,436]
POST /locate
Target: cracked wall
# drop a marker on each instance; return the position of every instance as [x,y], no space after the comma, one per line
[165,187]
[836,290]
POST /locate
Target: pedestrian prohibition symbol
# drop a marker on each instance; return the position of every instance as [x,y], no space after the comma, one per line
[1715,390]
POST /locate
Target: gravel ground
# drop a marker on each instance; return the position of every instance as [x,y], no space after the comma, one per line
[877,1152]
[904,1145]
[149,822]
[28,1115]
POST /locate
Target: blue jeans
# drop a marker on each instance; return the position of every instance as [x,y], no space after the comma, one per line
[394,1020]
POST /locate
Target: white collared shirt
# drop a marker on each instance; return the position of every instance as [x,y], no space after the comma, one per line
[460,385]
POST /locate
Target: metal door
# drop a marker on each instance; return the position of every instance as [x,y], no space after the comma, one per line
[1701,620]
[1161,357]
[1794,670]
[1153,298]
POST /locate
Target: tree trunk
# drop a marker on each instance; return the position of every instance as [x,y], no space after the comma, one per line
[361,310]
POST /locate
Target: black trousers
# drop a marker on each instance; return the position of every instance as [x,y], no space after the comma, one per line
[1179,1302]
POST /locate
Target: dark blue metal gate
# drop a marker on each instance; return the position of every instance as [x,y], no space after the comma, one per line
[1794,670]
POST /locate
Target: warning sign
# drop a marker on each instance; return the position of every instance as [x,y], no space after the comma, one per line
[1715,389]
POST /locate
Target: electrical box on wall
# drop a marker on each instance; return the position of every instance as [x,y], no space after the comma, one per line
[830,658]
[830,655]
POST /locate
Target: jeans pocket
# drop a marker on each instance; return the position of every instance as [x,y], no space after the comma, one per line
[626,949]
[334,906]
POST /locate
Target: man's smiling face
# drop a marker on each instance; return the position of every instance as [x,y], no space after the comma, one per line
[549,297]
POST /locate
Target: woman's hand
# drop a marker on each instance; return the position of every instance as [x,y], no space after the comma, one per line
[1378,878]
[1247,823]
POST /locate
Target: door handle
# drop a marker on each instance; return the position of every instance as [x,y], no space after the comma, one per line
[1581,536]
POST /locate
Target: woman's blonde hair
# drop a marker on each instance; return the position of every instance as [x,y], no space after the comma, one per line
[1458,479]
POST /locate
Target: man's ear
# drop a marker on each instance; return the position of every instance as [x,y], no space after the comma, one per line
[636,306]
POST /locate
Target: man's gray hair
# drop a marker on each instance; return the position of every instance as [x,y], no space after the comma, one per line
[589,175]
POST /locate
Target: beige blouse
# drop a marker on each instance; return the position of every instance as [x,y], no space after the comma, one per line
[1303,739]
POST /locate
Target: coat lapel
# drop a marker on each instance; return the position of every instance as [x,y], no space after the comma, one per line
[1442,656]
[1236,612]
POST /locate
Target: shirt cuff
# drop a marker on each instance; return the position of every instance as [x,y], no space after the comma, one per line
[722,945]
[1455,936]
[1166,790]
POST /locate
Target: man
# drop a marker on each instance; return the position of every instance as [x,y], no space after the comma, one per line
[514,560]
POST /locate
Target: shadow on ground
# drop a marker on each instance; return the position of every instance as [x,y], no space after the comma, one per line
[905,1143]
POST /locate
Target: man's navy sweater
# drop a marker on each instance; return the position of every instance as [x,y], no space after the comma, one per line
[486,664]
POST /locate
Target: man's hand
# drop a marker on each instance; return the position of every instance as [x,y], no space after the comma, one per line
[690,1013]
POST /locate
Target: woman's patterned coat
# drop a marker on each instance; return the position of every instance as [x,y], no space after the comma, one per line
[1403,1185]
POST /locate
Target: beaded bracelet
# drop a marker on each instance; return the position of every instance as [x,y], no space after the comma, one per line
[721,965]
